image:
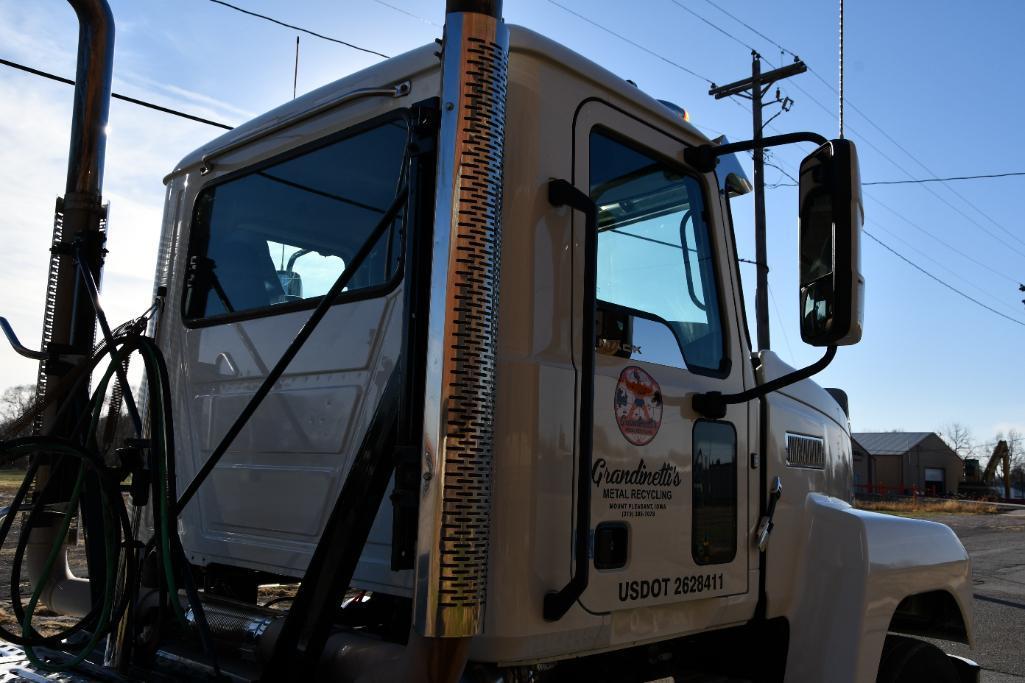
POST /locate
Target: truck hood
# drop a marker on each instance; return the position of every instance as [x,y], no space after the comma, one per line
[769,366]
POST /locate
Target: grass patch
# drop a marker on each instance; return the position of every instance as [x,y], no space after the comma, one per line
[10,480]
[913,507]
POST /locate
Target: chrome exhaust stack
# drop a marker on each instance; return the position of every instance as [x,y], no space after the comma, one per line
[455,501]
[68,319]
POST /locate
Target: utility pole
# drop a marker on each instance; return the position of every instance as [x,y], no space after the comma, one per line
[754,89]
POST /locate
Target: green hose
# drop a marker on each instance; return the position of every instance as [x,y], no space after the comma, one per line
[51,560]
[55,551]
[96,407]
[116,596]
[162,505]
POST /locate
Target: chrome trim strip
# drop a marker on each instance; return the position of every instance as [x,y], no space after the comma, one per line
[455,504]
[804,451]
[398,90]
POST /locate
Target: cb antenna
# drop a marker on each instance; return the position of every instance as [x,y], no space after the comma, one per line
[841,69]
[295,73]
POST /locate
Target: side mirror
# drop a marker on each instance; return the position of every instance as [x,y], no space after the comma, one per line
[291,281]
[730,174]
[291,285]
[831,214]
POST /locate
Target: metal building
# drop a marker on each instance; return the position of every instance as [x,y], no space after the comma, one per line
[905,463]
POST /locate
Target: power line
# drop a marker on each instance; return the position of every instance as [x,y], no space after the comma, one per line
[721,30]
[933,237]
[990,295]
[954,249]
[908,173]
[940,280]
[117,96]
[917,161]
[752,28]
[911,176]
[299,28]
[866,140]
[912,181]
[681,67]
[634,44]
[786,336]
[887,136]
[424,20]
[947,179]
[780,169]
[917,227]
[928,234]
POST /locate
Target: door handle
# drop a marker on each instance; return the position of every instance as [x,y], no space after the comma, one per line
[766,524]
[557,603]
[225,365]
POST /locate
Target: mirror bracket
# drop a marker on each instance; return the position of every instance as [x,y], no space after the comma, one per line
[712,404]
[703,157]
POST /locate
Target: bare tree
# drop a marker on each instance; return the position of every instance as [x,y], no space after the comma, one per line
[1014,444]
[1016,454]
[14,403]
[959,438]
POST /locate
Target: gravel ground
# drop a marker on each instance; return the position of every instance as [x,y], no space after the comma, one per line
[996,544]
[46,621]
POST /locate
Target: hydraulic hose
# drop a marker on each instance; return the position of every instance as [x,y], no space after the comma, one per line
[119,577]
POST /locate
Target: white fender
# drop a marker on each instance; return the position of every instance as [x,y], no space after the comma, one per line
[858,567]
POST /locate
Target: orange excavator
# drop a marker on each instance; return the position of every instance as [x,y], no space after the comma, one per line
[976,485]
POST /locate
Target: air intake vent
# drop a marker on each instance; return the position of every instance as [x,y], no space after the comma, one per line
[805,451]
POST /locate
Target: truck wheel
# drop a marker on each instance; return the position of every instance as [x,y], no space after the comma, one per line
[907,660]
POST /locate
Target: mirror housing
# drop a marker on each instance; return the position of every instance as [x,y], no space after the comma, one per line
[832,287]
[733,182]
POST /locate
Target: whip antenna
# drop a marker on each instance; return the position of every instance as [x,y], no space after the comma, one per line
[841,69]
[295,73]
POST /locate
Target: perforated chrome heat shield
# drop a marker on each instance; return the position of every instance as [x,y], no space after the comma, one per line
[452,545]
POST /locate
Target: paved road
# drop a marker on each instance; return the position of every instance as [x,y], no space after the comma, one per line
[996,544]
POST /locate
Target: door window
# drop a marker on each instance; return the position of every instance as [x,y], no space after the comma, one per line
[654,249]
[714,521]
[282,233]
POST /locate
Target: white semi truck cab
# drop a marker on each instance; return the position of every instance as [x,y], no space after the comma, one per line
[457,344]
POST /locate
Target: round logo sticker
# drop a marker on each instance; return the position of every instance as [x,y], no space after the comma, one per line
[638,405]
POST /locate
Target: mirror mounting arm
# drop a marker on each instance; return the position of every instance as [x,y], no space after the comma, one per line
[713,404]
[703,157]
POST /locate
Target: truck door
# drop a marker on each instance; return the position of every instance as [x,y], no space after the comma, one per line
[670,514]
[269,241]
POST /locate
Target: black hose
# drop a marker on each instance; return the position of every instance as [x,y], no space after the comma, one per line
[121,588]
[12,450]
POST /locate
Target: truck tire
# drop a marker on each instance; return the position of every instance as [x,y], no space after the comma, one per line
[907,660]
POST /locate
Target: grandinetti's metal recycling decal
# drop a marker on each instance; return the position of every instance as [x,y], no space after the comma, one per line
[638,405]
[638,490]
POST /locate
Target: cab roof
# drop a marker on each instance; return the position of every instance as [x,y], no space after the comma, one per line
[423,60]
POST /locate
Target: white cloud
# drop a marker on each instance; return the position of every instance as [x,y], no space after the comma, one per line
[35,117]
[213,104]
[44,33]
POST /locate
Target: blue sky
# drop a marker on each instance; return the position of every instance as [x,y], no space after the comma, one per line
[936,80]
